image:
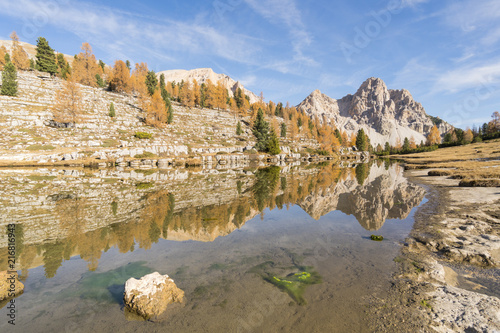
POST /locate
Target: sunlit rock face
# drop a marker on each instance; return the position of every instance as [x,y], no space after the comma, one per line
[373,197]
[202,75]
[385,115]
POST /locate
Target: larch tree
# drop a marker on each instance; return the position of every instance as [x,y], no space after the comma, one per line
[85,67]
[19,57]
[3,61]
[120,78]
[413,144]
[139,78]
[398,144]
[156,112]
[67,107]
[434,137]
[468,136]
[45,57]
[9,80]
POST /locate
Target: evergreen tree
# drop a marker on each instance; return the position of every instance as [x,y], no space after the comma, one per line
[162,82]
[273,144]
[7,58]
[9,80]
[112,110]
[102,65]
[361,140]
[151,82]
[32,64]
[239,131]
[100,81]
[387,147]
[261,131]
[128,64]
[170,114]
[406,144]
[45,57]
[283,130]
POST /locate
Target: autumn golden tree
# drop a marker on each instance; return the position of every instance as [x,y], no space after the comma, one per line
[67,107]
[3,52]
[138,78]
[19,57]
[156,111]
[468,136]
[413,144]
[85,67]
[434,137]
[120,78]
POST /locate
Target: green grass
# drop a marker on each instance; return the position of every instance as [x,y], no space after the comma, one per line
[144,186]
[40,147]
[146,154]
[109,143]
[143,135]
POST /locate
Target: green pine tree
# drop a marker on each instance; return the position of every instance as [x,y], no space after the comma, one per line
[406,145]
[100,81]
[283,130]
[112,110]
[387,147]
[170,114]
[102,65]
[162,83]
[7,58]
[361,140]
[9,80]
[261,131]
[151,82]
[273,144]
[239,131]
[45,57]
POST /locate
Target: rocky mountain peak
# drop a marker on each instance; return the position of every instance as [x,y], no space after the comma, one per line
[386,115]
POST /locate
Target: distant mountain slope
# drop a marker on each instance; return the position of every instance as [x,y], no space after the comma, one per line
[385,115]
[202,75]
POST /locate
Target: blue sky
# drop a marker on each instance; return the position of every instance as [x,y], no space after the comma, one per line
[445,52]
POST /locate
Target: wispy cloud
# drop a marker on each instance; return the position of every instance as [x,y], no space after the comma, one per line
[118,32]
[468,76]
[286,13]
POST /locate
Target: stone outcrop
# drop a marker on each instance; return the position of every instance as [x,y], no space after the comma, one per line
[385,115]
[151,295]
[202,75]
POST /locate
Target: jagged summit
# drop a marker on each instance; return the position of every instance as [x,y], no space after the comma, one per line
[202,75]
[386,115]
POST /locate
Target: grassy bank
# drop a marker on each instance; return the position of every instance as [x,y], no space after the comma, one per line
[476,164]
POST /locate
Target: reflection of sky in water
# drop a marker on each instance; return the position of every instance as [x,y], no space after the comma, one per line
[214,272]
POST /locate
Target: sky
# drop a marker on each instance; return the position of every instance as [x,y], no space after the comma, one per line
[445,52]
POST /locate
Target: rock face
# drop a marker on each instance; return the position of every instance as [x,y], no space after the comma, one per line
[10,286]
[202,75]
[151,295]
[385,115]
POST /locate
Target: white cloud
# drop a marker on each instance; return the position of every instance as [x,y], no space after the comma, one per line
[118,32]
[466,77]
[285,12]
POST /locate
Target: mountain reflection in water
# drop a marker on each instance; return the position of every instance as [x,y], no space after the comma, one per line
[60,214]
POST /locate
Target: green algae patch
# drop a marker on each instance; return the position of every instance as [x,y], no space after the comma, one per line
[294,283]
[377,238]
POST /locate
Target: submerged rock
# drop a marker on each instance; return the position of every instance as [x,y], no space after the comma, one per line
[10,286]
[150,296]
[377,238]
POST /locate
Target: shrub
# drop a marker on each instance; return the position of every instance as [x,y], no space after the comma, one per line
[143,135]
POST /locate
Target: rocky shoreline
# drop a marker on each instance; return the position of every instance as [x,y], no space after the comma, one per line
[448,270]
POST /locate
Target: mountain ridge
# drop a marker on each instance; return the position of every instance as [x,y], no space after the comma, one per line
[385,115]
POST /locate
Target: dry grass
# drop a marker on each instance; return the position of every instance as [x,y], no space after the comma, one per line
[477,164]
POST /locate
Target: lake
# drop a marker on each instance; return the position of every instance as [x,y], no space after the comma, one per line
[224,236]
